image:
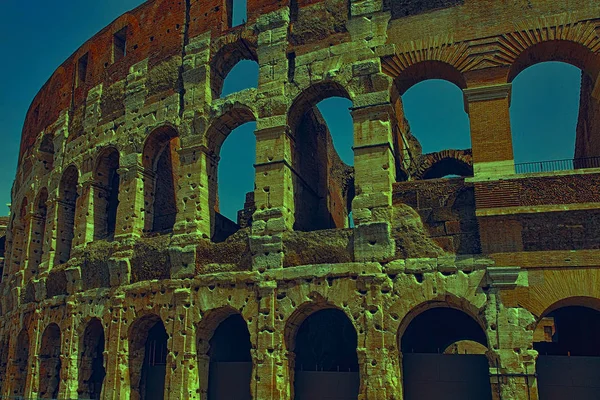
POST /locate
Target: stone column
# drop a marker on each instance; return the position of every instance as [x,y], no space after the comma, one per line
[274,196]
[83,231]
[182,378]
[132,211]
[270,380]
[374,176]
[50,237]
[32,382]
[116,356]
[194,217]
[491,138]
[69,381]
[511,355]
[379,359]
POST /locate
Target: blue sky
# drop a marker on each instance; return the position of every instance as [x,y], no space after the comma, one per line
[37,36]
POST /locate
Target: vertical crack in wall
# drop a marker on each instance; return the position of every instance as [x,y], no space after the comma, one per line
[186,40]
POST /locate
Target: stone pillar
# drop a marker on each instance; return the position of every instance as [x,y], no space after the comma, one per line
[132,210]
[32,382]
[50,236]
[83,231]
[270,380]
[24,260]
[182,378]
[193,191]
[379,360]
[511,355]
[274,196]
[491,138]
[203,370]
[116,356]
[374,176]
[69,381]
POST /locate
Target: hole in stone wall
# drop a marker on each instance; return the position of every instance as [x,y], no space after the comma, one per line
[82,67]
[106,194]
[120,44]
[147,357]
[91,370]
[230,361]
[244,75]
[325,357]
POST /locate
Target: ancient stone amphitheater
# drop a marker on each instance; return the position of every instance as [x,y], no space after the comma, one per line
[122,280]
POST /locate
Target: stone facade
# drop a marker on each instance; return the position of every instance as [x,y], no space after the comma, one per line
[119,268]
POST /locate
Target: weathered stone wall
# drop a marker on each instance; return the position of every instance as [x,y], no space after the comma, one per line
[484,244]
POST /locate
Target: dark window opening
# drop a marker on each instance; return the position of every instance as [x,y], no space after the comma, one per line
[234,205]
[291,66]
[36,113]
[21,364]
[443,357]
[82,65]
[50,363]
[326,363]
[230,361]
[120,44]
[147,358]
[236,63]
[322,158]
[569,353]
[293,10]
[106,194]
[243,75]
[66,214]
[152,384]
[91,370]
[159,157]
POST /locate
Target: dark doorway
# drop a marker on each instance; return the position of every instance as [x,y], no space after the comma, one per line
[147,358]
[106,194]
[568,365]
[431,370]
[326,364]
[91,361]
[230,361]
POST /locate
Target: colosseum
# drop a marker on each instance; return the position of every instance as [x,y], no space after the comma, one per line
[382,280]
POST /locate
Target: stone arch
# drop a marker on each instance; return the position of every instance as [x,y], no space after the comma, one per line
[38,242]
[226,57]
[445,162]
[568,51]
[106,193]
[224,355]
[566,340]
[161,163]
[20,364]
[19,236]
[232,117]
[91,369]
[425,336]
[313,348]
[424,70]
[321,180]
[67,202]
[148,351]
[50,363]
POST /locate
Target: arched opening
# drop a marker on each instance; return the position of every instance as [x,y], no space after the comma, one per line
[20,364]
[230,362]
[91,370]
[223,62]
[49,377]
[147,358]
[67,202]
[244,75]
[568,365]
[46,151]
[20,240]
[160,161]
[324,360]
[236,12]
[36,246]
[106,194]
[448,168]
[439,362]
[322,181]
[545,118]
[419,89]
[232,145]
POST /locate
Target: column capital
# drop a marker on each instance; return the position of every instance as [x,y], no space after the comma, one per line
[487,93]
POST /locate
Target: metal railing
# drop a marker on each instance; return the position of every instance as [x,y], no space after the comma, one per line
[557,165]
